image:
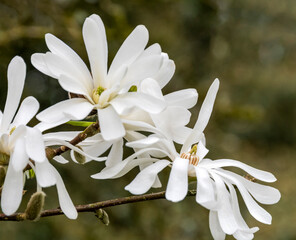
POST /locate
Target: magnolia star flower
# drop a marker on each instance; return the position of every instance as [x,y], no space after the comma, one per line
[215,186]
[22,146]
[111,92]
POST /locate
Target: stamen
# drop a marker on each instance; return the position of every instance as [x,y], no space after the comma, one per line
[193,159]
[97,93]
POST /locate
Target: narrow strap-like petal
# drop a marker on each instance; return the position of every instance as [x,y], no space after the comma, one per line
[110,124]
[178,181]
[26,112]
[215,227]
[96,46]
[12,191]
[16,74]
[131,48]
[45,174]
[203,116]
[35,145]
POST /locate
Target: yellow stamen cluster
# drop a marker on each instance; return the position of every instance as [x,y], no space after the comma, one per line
[191,156]
[97,93]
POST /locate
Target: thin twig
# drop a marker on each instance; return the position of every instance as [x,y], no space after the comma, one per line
[94,206]
[88,132]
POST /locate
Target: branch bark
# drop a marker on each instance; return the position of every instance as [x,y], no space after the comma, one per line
[88,132]
[94,206]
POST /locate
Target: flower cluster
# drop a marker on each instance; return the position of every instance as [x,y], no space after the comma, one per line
[127,103]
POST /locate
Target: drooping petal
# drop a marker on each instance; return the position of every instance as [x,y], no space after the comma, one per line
[186,98]
[26,112]
[45,174]
[16,74]
[12,191]
[19,158]
[205,193]
[256,211]
[75,109]
[178,181]
[263,194]
[131,48]
[18,133]
[256,173]
[96,46]
[60,159]
[203,116]
[35,145]
[145,179]
[215,227]
[66,203]
[110,124]
[116,153]
[225,212]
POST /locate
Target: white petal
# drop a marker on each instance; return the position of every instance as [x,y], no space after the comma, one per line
[146,178]
[201,151]
[152,88]
[124,103]
[165,73]
[96,45]
[263,194]
[18,133]
[225,212]
[178,181]
[73,86]
[116,153]
[58,47]
[205,193]
[39,62]
[60,66]
[60,159]
[19,158]
[75,109]
[35,145]
[142,69]
[12,191]
[215,227]
[26,112]
[125,166]
[256,173]
[16,74]
[256,211]
[45,174]
[110,124]
[66,203]
[131,48]
[186,98]
[203,116]
[153,49]
[42,126]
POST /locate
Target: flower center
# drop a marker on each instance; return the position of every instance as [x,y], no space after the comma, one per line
[191,155]
[97,93]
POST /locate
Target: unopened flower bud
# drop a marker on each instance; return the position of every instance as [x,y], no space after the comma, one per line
[103,216]
[35,206]
[4,158]
[79,157]
[2,175]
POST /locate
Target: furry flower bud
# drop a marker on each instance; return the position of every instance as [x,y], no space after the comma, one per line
[35,206]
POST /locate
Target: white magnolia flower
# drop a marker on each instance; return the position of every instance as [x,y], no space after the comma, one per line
[111,92]
[215,186]
[22,146]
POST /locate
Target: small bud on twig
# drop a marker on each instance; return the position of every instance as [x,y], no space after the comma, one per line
[35,206]
[103,216]
[79,157]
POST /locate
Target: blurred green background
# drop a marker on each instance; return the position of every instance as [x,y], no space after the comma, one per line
[249,45]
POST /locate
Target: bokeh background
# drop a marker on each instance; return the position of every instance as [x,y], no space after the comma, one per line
[249,45]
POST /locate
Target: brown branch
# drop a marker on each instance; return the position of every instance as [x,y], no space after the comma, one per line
[94,206]
[88,132]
